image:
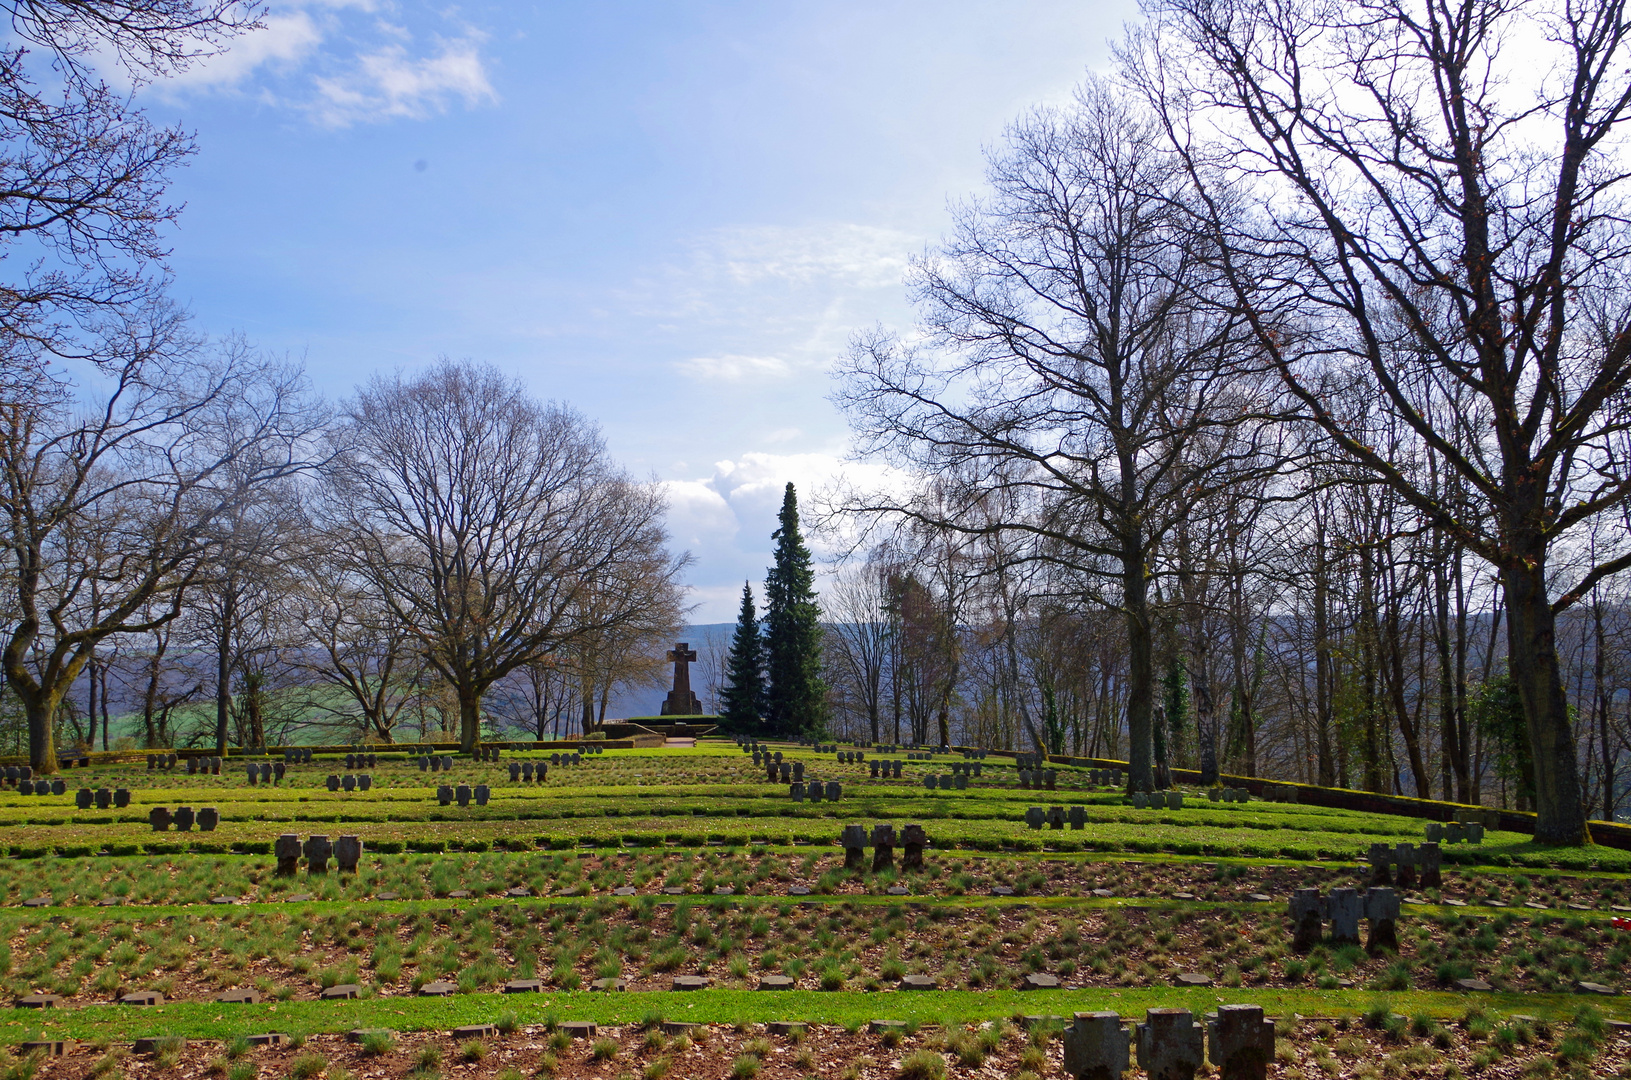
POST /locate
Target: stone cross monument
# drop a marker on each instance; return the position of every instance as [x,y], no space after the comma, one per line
[681,701]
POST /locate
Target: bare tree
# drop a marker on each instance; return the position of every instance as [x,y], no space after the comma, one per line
[1075,363]
[486,520]
[858,633]
[1441,216]
[127,495]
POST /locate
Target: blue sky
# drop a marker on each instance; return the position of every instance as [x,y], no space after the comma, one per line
[671,215]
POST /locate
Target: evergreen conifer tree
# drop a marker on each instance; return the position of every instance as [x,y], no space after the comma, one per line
[797,696]
[742,701]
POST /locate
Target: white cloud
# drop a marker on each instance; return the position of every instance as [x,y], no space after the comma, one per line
[863,255]
[733,368]
[285,39]
[389,83]
[340,64]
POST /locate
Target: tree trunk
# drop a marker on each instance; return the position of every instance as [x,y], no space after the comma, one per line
[1604,702]
[469,720]
[39,709]
[1532,656]
[1140,673]
[223,672]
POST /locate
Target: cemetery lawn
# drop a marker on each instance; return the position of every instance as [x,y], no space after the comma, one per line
[641,866]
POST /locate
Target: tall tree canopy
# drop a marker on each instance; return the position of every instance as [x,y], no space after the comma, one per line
[797,696]
[743,702]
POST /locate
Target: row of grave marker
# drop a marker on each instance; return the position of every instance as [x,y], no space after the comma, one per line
[160,818]
[855,840]
[1408,859]
[1344,908]
[1238,1040]
[317,851]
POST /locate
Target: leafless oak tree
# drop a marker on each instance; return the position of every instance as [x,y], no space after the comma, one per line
[494,526]
[1075,363]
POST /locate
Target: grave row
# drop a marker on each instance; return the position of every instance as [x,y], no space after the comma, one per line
[17,773]
[265,772]
[815,791]
[102,798]
[854,840]
[160,761]
[788,772]
[1383,858]
[348,782]
[41,787]
[1039,779]
[1229,794]
[973,755]
[766,757]
[851,757]
[1055,817]
[297,756]
[204,766]
[1280,793]
[360,761]
[884,770]
[462,794]
[161,819]
[528,771]
[1238,1040]
[1344,908]
[485,753]
[317,850]
[1104,777]
[946,781]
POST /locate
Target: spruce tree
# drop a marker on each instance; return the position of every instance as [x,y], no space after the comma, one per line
[797,697]
[743,699]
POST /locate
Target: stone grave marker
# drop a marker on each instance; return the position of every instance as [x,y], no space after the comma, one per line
[853,841]
[883,848]
[1344,907]
[1096,1046]
[159,818]
[1307,911]
[913,841]
[287,850]
[208,818]
[1382,909]
[462,793]
[1035,817]
[1171,1046]
[483,793]
[835,791]
[348,853]
[332,783]
[1240,1042]
[1404,856]
[83,798]
[318,851]
[1430,858]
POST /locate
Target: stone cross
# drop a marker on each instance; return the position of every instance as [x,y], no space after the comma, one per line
[1430,857]
[287,850]
[853,841]
[1343,907]
[914,840]
[1307,911]
[1382,909]
[883,848]
[1240,1042]
[1171,1045]
[681,701]
[318,851]
[1096,1047]
[1404,856]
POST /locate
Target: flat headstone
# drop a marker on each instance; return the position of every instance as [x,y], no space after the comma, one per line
[48,1047]
[775,982]
[786,1027]
[918,982]
[439,988]
[1193,978]
[580,1029]
[238,997]
[143,997]
[37,901]
[878,1027]
[475,1031]
[625,890]
[1584,987]
[267,1038]
[609,985]
[691,982]
[524,986]
[1040,980]
[798,890]
[357,1035]
[39,1001]
[1476,986]
[342,992]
